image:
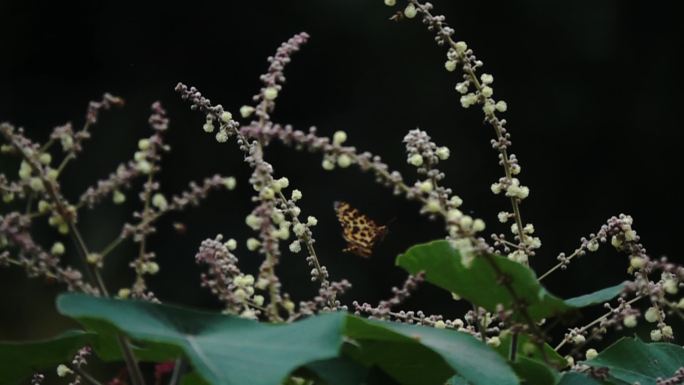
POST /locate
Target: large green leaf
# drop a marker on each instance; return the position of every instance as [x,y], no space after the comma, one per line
[527,348]
[226,350]
[631,360]
[574,378]
[535,372]
[480,284]
[19,360]
[453,352]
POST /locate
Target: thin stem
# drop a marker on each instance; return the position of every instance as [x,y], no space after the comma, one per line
[596,321]
[513,349]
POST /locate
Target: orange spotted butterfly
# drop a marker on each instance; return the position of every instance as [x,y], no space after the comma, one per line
[360,232]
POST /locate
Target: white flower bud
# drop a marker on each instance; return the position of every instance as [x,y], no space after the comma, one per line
[656,335]
[478,225]
[390,3]
[231,244]
[494,342]
[144,166]
[652,314]
[488,108]
[328,164]
[159,201]
[456,201]
[433,206]
[208,126]
[57,248]
[415,160]
[253,244]
[226,116]
[443,153]
[667,331]
[339,137]
[670,286]
[45,158]
[496,188]
[118,197]
[222,136]
[460,47]
[503,216]
[43,206]
[246,111]
[123,293]
[230,182]
[36,184]
[501,106]
[440,325]
[299,229]
[637,262]
[630,321]
[270,93]
[311,220]
[295,247]
[344,161]
[487,79]
[151,268]
[593,245]
[462,87]
[578,339]
[450,65]
[267,193]
[258,300]
[591,354]
[487,92]
[296,195]
[63,371]
[425,186]
[410,11]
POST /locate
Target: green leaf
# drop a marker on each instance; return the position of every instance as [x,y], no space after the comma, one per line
[19,360]
[223,350]
[227,350]
[527,348]
[410,361]
[535,372]
[631,360]
[574,378]
[339,371]
[481,285]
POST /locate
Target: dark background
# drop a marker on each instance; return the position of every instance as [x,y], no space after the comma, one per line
[593,88]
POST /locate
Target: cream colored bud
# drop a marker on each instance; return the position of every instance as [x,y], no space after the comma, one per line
[231,244]
[57,248]
[226,117]
[440,324]
[415,160]
[339,137]
[246,111]
[344,161]
[450,65]
[410,11]
[253,244]
[230,182]
[652,314]
[591,354]
[159,201]
[270,93]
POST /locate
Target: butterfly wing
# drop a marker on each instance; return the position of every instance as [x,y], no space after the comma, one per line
[360,232]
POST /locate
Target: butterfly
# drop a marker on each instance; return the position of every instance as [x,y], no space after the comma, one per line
[360,232]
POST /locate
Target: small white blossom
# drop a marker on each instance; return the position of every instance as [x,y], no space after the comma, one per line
[295,247]
[231,244]
[246,111]
[339,137]
[415,160]
[443,153]
[591,354]
[652,314]
[63,371]
[501,106]
[222,136]
[311,221]
[656,335]
[487,79]
[630,321]
[159,201]
[328,164]
[270,93]
[296,195]
[57,248]
[344,161]
[226,117]
[230,182]
[503,216]
[410,11]
[450,65]
[253,244]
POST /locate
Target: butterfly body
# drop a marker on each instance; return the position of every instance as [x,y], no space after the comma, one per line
[360,232]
